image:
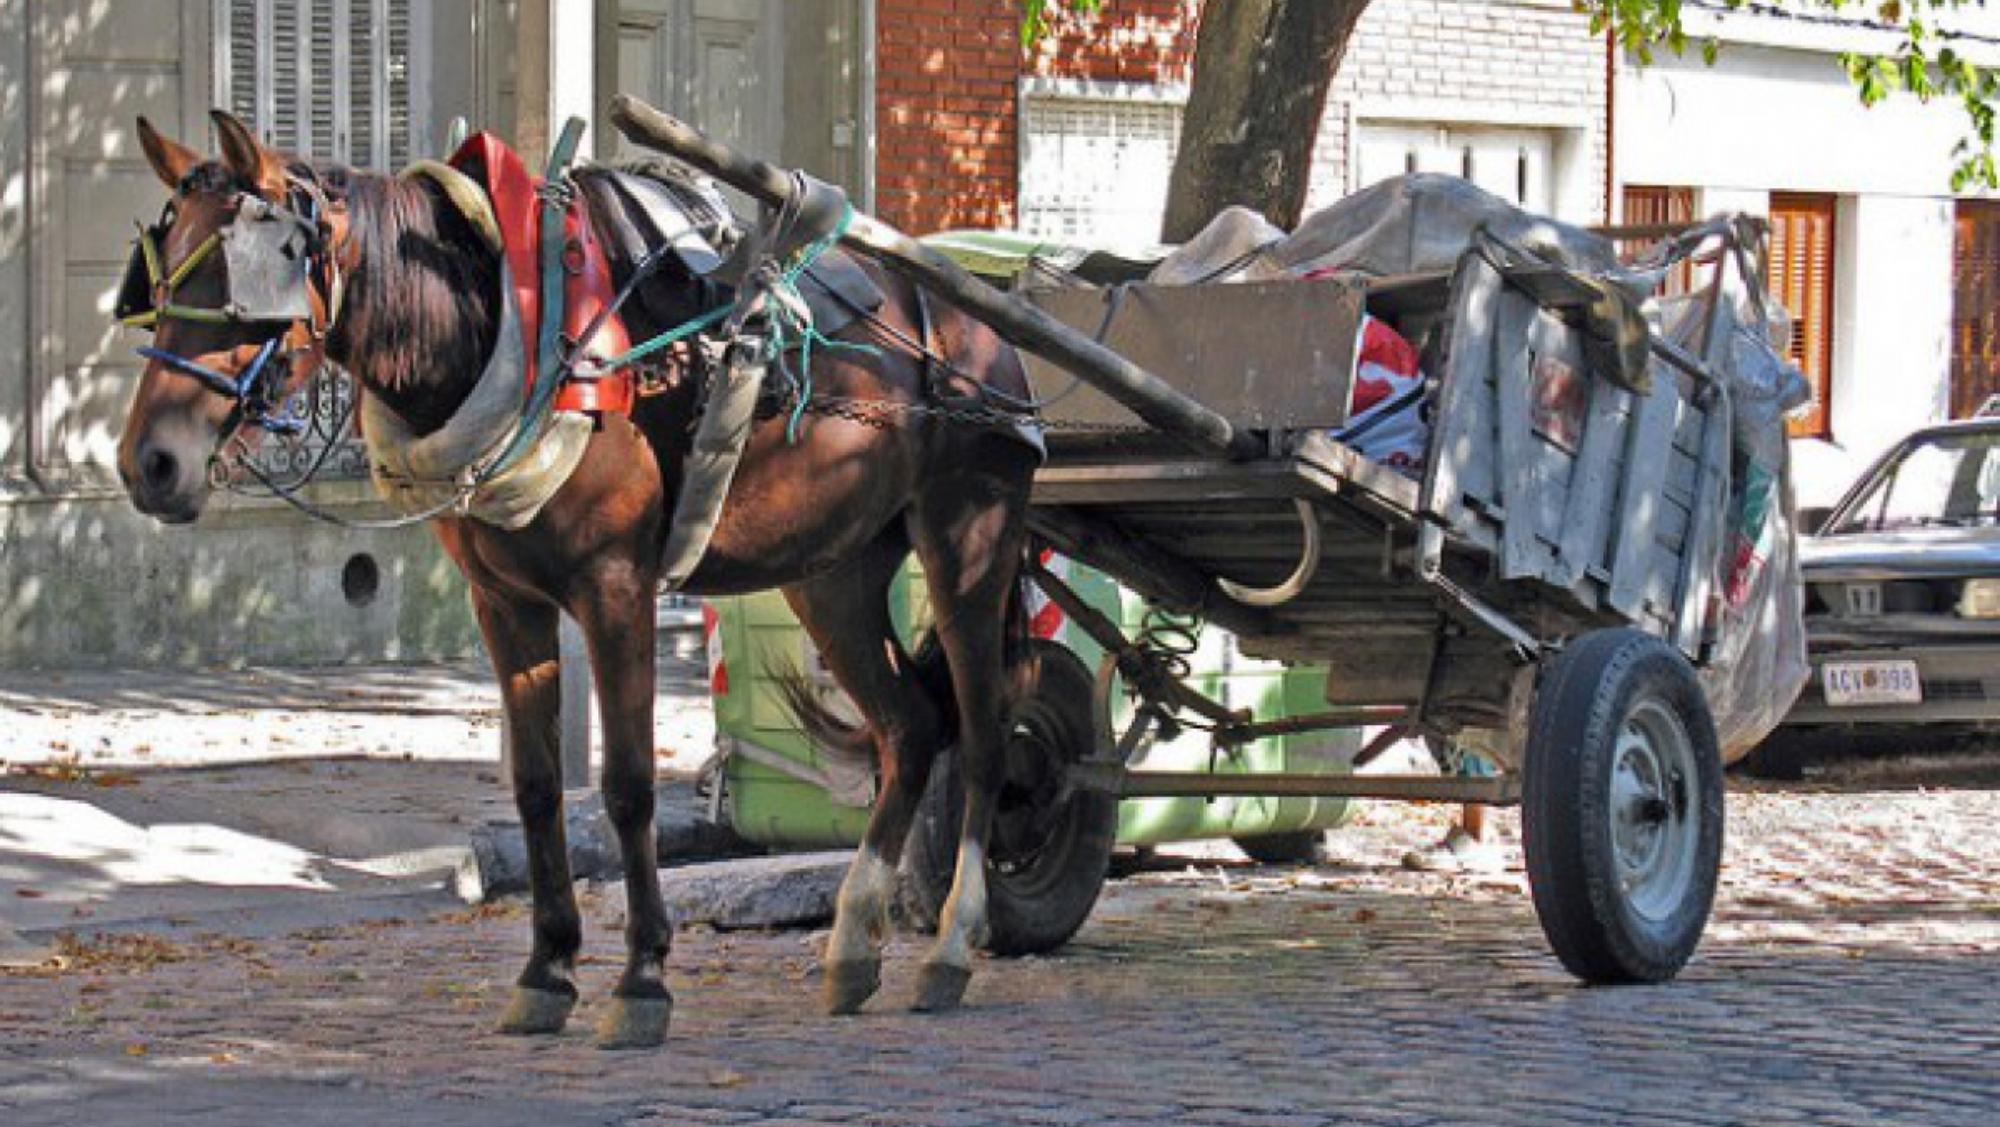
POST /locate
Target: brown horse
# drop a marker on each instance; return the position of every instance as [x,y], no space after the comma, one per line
[829,515]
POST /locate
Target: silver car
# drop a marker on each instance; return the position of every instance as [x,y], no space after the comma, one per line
[1903,588]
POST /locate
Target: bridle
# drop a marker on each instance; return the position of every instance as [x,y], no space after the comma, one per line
[281,267]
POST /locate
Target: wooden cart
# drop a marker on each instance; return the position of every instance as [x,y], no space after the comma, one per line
[1543,587]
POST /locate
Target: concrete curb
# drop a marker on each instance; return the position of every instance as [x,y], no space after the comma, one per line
[17,953]
[497,862]
[797,890]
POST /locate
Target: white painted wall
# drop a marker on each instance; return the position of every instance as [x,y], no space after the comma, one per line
[1892,340]
[1768,117]
[13,236]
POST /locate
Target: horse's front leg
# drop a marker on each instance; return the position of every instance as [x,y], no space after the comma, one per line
[521,641]
[618,620]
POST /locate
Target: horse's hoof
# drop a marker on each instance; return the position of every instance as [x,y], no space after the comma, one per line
[536,1013]
[850,983]
[635,1023]
[940,987]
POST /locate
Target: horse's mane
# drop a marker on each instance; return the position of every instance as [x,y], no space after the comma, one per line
[421,307]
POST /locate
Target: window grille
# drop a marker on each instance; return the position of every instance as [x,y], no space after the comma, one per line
[1094,169]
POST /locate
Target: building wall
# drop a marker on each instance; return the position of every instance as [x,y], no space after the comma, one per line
[14,286]
[84,580]
[1760,120]
[947,77]
[1523,63]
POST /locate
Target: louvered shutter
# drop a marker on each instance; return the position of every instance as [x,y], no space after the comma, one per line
[1801,278]
[330,79]
[1975,318]
[1656,206]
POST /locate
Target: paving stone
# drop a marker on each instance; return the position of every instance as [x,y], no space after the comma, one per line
[1852,975]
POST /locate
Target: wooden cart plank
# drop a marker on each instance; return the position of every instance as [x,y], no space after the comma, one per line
[1584,525]
[1639,497]
[1521,555]
[1168,480]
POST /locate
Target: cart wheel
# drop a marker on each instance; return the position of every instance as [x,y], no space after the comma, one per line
[1301,847]
[1050,851]
[1622,808]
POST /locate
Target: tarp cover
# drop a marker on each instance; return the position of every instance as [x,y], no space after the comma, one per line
[1406,225]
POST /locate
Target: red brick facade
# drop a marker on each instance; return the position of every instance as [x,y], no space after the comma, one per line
[948,94]
[1128,41]
[948,75]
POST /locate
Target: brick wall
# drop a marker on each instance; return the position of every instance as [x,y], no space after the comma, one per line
[1139,41]
[948,72]
[1524,62]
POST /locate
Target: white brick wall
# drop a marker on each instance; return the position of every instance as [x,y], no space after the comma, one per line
[1468,62]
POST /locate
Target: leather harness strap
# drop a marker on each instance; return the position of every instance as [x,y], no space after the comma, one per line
[531,214]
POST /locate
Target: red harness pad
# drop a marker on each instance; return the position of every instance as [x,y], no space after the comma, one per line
[587,291]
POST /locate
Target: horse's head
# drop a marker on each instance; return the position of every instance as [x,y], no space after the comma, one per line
[237,282]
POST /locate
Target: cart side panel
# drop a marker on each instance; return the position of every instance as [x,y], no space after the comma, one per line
[1265,355]
[1563,478]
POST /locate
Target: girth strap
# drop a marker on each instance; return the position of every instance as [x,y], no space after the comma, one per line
[711,463]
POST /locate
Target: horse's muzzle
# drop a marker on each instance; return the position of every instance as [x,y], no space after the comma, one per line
[163,484]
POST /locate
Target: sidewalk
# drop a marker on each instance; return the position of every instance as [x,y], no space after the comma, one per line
[260,800]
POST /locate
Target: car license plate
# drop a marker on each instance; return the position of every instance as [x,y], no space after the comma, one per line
[1872,682]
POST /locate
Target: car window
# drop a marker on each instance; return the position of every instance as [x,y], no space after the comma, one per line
[1946,480]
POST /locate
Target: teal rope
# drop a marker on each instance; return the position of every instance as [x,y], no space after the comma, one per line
[807,334]
[672,336]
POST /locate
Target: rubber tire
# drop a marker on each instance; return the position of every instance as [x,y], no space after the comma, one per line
[1584,696]
[1299,847]
[1038,908]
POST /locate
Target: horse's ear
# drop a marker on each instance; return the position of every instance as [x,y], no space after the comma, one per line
[170,159]
[245,156]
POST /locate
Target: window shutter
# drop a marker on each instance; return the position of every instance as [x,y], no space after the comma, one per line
[328,79]
[1656,206]
[1801,278]
[394,118]
[1975,317]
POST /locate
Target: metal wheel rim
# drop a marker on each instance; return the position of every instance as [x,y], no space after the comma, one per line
[1654,815]
[1036,725]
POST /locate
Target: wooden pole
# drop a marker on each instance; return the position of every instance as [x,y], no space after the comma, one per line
[1148,396]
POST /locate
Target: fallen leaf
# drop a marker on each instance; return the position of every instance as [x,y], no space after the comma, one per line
[727,1078]
[136,1049]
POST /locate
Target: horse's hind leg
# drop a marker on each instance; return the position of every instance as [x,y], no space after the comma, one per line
[617,615]
[847,614]
[521,640]
[969,531]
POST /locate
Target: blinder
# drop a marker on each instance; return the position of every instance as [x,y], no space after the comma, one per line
[142,271]
[267,252]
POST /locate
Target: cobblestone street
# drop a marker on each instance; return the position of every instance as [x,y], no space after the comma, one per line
[1851,975]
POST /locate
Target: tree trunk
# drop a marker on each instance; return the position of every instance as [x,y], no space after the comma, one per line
[1261,73]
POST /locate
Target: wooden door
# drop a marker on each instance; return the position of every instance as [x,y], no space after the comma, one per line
[1975,315]
[719,64]
[782,80]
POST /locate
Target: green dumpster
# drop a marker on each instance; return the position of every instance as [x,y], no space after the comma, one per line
[780,791]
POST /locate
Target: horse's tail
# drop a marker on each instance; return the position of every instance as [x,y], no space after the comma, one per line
[839,738]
